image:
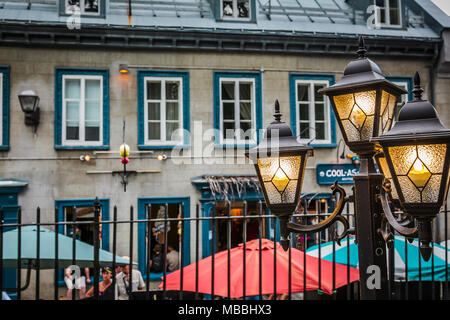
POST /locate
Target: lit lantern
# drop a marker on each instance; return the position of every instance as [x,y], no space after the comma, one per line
[384,168]
[280,163]
[417,154]
[124,153]
[363,102]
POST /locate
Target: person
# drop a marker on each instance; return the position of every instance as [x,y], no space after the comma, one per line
[157,259]
[123,282]
[172,259]
[80,282]
[105,287]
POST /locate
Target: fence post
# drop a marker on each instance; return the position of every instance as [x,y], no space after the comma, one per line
[96,246]
[1,253]
[38,251]
[55,293]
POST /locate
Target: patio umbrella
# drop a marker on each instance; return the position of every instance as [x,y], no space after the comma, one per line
[252,272]
[84,251]
[347,252]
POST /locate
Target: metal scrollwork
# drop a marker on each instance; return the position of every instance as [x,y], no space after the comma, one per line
[333,218]
[402,226]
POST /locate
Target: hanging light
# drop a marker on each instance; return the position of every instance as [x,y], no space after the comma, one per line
[280,163]
[363,102]
[417,155]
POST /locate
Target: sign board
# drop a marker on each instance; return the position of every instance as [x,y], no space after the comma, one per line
[329,173]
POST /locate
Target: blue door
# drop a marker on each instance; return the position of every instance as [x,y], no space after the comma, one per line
[10,208]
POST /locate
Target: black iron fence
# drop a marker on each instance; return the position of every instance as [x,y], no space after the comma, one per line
[226,226]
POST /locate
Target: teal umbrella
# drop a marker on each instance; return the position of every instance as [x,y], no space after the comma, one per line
[84,251]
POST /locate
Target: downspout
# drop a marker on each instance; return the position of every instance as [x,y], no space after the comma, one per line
[431,73]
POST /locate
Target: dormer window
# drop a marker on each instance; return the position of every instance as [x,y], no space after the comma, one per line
[84,7]
[235,9]
[388,13]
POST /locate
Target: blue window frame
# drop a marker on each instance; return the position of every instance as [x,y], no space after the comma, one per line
[312,118]
[404,83]
[163,109]
[81,108]
[237,109]
[104,214]
[4,107]
[142,244]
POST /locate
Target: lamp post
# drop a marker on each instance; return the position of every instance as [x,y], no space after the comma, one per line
[414,157]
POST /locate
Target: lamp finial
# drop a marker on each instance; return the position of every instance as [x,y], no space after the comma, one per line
[362,51]
[277,114]
[417,91]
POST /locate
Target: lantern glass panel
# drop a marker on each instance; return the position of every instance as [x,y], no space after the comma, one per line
[419,170]
[28,103]
[280,177]
[387,174]
[387,110]
[357,113]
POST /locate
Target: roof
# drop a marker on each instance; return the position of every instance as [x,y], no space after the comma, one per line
[281,17]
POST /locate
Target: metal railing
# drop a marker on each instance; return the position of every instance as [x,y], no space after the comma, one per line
[423,288]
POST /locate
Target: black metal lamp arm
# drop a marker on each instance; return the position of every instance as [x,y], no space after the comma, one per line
[398,226]
[334,217]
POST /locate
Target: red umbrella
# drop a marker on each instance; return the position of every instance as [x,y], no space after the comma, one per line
[252,272]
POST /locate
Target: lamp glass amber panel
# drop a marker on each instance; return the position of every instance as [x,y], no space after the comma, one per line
[281,176]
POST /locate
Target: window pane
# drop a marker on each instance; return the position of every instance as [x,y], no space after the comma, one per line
[243,8]
[153,90]
[172,89]
[379,3]
[320,131]
[393,4]
[228,130]
[92,131]
[154,111]
[318,96]
[304,111]
[246,111]
[227,8]
[227,90]
[72,6]
[154,131]
[172,111]
[383,16]
[302,92]
[304,130]
[228,110]
[246,128]
[92,89]
[72,111]
[320,111]
[72,130]
[91,6]
[170,128]
[92,110]
[72,89]
[245,91]
[394,16]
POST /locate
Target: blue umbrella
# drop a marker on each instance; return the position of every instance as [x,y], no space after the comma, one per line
[84,251]
[347,253]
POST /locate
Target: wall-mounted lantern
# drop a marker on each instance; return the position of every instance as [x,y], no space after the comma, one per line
[29,102]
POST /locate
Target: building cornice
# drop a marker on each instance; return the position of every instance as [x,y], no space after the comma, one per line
[15,34]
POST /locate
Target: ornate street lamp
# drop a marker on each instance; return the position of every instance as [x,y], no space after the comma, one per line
[280,163]
[418,155]
[363,102]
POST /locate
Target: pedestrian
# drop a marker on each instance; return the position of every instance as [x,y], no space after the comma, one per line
[105,287]
[123,282]
[79,283]
[157,260]
[173,262]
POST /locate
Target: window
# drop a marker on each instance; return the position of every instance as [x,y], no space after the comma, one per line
[312,119]
[235,9]
[404,83]
[82,109]
[4,108]
[163,109]
[388,13]
[84,7]
[237,108]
